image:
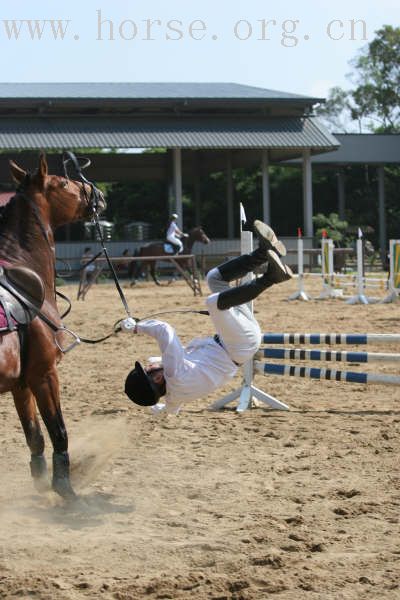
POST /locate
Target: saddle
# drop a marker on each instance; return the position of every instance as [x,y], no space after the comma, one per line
[170,248]
[21,295]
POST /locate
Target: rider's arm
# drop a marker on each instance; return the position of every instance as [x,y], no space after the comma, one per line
[170,346]
[178,232]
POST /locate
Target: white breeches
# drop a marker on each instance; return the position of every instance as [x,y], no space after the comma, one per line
[177,241]
[239,331]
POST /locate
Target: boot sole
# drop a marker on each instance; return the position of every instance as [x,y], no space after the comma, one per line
[285,273]
[269,237]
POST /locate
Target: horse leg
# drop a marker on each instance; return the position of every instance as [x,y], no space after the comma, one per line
[26,409]
[47,395]
[153,273]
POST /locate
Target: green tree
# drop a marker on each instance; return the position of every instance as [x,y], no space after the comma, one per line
[376,97]
[334,227]
[373,103]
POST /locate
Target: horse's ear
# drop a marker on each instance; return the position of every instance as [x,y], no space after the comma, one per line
[17,173]
[41,172]
[43,169]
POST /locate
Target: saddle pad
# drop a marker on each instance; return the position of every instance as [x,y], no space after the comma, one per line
[3,319]
[168,249]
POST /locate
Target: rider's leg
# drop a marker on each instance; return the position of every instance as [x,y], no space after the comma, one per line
[236,268]
[176,243]
[277,272]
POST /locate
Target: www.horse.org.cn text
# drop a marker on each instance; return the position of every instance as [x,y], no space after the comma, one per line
[289,33]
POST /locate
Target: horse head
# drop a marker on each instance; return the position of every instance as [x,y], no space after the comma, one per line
[59,199]
[198,235]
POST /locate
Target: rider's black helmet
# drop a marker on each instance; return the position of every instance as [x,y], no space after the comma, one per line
[140,388]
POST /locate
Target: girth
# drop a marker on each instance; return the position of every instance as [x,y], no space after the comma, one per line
[21,295]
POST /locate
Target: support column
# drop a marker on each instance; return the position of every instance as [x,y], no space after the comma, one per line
[177,157]
[196,189]
[341,195]
[265,187]
[229,194]
[382,214]
[307,194]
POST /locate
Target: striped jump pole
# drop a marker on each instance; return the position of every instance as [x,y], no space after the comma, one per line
[331,338]
[327,374]
[329,355]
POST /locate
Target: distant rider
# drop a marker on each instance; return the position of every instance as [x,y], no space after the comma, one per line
[174,234]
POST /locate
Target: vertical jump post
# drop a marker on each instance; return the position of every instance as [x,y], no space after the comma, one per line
[360,297]
[394,277]
[301,293]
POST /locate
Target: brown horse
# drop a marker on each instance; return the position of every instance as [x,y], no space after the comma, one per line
[157,249]
[28,362]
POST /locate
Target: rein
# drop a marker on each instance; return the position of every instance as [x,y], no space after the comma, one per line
[93,201]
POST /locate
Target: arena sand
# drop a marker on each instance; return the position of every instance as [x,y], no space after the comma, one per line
[303,504]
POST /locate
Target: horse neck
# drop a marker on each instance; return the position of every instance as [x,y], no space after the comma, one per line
[24,240]
[189,244]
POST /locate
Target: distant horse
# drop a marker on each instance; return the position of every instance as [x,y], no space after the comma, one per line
[158,249]
[29,350]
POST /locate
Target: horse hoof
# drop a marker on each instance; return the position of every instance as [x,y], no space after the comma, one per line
[63,487]
[42,485]
[61,483]
[39,473]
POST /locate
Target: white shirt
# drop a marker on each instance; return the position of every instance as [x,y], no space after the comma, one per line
[171,231]
[191,372]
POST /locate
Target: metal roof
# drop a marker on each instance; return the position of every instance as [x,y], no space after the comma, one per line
[120,132]
[363,148]
[145,91]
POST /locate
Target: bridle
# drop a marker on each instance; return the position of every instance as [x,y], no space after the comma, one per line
[93,199]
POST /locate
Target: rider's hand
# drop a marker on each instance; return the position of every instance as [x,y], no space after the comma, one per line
[185,235]
[128,325]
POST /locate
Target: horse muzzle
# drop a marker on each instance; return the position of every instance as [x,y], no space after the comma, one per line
[99,201]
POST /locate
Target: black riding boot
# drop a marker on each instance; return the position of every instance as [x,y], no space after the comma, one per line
[240,266]
[277,273]
[243,293]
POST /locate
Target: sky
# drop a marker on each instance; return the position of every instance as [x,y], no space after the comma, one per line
[304,48]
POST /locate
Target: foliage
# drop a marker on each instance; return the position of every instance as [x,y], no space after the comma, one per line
[374,101]
[336,112]
[376,96]
[335,228]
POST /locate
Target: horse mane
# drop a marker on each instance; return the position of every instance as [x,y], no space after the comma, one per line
[16,235]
